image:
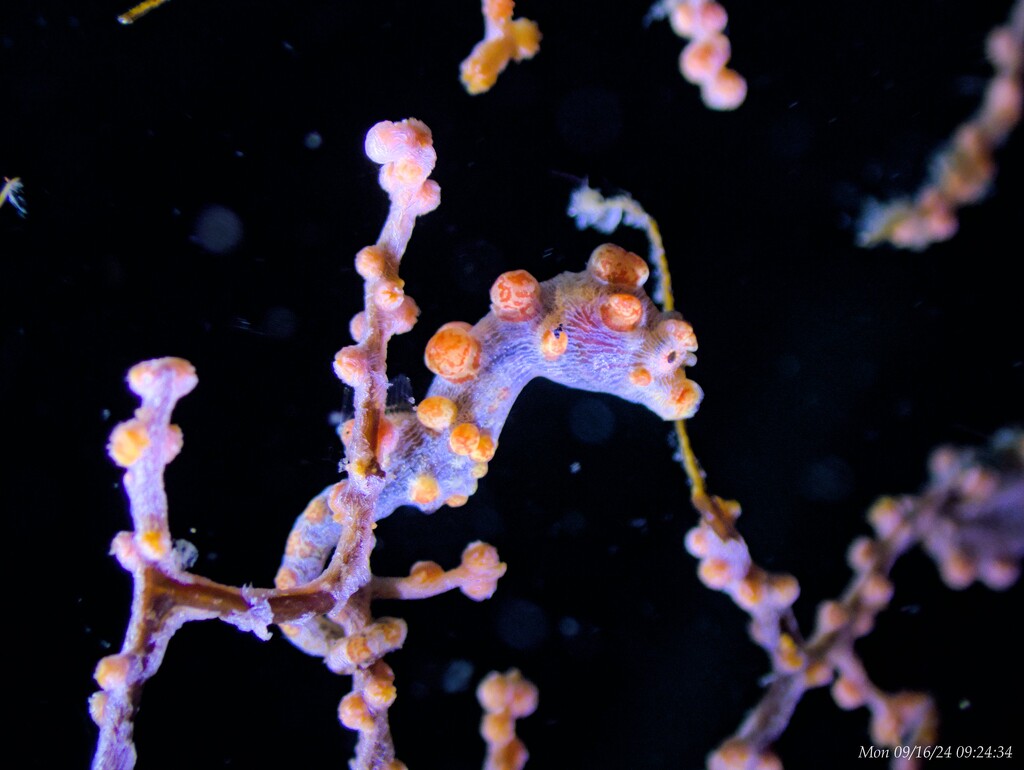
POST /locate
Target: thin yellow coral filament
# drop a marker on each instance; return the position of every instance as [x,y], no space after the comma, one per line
[134,14]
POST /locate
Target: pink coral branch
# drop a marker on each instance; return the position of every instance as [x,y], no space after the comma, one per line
[970,519]
[505,39]
[964,170]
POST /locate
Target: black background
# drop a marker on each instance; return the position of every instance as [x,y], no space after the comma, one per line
[830,371]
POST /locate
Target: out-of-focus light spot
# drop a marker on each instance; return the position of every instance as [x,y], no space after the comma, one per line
[457,676]
[827,481]
[568,626]
[591,421]
[522,625]
[218,229]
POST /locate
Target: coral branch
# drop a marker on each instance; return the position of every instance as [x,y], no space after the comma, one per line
[143,446]
[135,13]
[963,171]
[505,39]
[970,519]
[704,59]
[505,698]
[477,577]
[595,330]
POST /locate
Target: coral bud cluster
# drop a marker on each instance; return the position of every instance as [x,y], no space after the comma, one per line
[505,698]
[505,39]
[406,156]
[971,524]
[477,577]
[968,518]
[726,565]
[704,59]
[143,446]
[963,171]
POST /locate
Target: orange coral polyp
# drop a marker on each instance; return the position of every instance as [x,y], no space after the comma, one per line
[425,198]
[622,312]
[403,318]
[357,327]
[350,365]
[690,19]
[388,295]
[380,691]
[680,333]
[526,36]
[464,438]
[683,399]
[683,20]
[425,573]
[713,17]
[113,671]
[286,577]
[354,713]
[498,728]
[154,544]
[436,412]
[702,58]
[407,172]
[640,376]
[127,443]
[614,265]
[498,10]
[453,353]
[371,262]
[485,448]
[726,90]
[387,141]
[554,342]
[424,489]
[515,296]
[143,378]
[357,650]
